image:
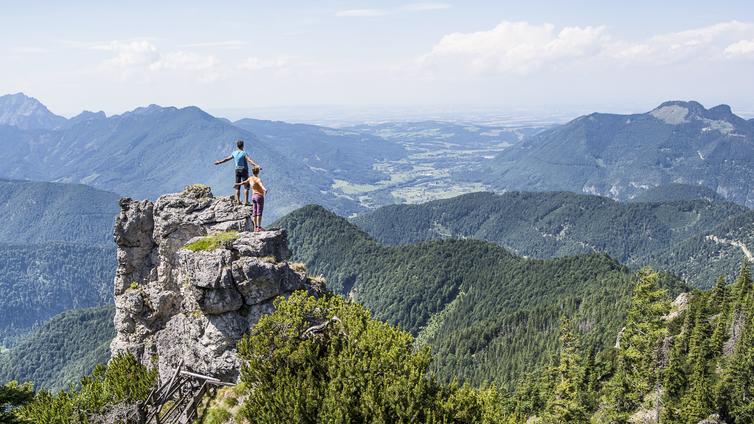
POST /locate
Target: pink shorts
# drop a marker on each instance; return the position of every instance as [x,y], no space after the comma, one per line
[257,201]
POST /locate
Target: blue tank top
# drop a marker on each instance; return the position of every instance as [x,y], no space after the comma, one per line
[240,157]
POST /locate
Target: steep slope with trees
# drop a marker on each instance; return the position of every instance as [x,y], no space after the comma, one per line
[57,353]
[466,298]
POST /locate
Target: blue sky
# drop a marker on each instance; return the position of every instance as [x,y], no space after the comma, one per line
[245,56]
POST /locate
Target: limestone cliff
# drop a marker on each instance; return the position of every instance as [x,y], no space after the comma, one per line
[192,278]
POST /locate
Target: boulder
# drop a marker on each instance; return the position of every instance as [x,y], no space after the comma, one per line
[192,279]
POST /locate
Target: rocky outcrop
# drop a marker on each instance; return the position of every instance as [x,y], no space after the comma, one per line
[192,279]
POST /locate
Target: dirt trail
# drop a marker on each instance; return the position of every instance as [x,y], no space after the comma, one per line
[735,243]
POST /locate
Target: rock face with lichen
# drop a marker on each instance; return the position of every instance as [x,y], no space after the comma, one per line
[192,279]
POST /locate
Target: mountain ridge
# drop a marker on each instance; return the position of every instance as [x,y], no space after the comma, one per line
[24,112]
[621,155]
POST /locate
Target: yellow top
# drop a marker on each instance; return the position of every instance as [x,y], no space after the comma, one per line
[256,186]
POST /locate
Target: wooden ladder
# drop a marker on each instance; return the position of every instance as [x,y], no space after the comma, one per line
[181,395]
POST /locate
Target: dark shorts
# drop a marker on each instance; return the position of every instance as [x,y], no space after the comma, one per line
[242,174]
[257,200]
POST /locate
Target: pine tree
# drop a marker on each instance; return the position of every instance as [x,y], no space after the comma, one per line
[743,285]
[698,402]
[13,395]
[640,347]
[741,370]
[720,302]
[567,402]
[676,371]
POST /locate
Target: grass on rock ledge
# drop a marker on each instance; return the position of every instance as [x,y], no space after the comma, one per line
[211,242]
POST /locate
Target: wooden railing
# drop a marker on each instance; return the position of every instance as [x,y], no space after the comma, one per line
[176,401]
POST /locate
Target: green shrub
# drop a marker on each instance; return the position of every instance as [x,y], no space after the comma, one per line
[354,369]
[230,401]
[124,380]
[211,242]
[13,395]
[216,416]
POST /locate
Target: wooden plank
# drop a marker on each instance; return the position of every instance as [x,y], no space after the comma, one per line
[190,411]
[172,379]
[211,380]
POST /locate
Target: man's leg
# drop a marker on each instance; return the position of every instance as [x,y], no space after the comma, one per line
[246,195]
[238,195]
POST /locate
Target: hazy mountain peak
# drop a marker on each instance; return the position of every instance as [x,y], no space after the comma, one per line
[677,112]
[720,112]
[152,108]
[89,115]
[22,111]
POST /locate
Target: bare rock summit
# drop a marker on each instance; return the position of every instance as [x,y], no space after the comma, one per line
[192,279]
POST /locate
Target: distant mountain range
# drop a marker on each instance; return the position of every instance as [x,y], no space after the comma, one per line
[154,150]
[686,236]
[336,153]
[621,156]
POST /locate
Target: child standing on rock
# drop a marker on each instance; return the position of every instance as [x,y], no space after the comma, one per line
[257,197]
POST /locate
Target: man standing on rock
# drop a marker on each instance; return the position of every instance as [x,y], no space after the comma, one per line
[242,160]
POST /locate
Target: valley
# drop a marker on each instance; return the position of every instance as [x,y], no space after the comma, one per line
[403,221]
[436,153]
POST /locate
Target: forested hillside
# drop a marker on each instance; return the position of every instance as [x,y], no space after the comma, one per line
[56,251]
[487,313]
[696,239]
[546,225]
[715,252]
[62,350]
[325,359]
[677,192]
[39,281]
[39,212]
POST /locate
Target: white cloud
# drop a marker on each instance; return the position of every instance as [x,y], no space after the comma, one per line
[521,47]
[740,48]
[700,43]
[362,13]
[133,53]
[517,47]
[143,59]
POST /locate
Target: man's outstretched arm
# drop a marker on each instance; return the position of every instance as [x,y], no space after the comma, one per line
[251,162]
[218,162]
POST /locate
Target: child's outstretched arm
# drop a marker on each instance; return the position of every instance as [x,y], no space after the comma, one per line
[244,182]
